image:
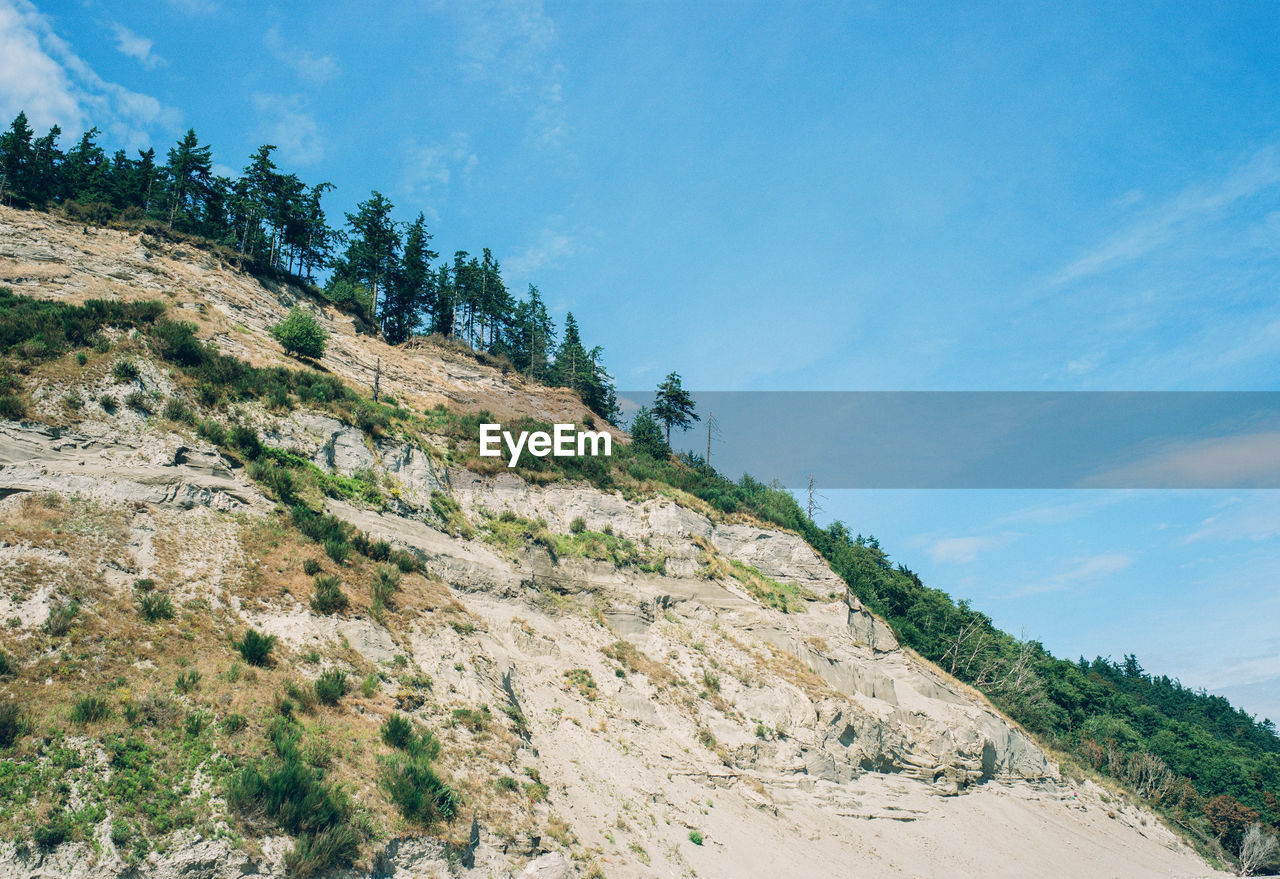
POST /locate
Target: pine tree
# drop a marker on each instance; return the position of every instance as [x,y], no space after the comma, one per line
[672,406]
[15,161]
[374,244]
[45,173]
[531,337]
[254,194]
[190,178]
[411,291]
[646,436]
[445,302]
[572,363]
[84,172]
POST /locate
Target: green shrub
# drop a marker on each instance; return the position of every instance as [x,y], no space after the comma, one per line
[313,855]
[578,525]
[82,358]
[256,647]
[212,431]
[12,407]
[506,783]
[176,410]
[385,584]
[305,697]
[369,685]
[138,400]
[55,830]
[310,567]
[245,439]
[294,795]
[398,731]
[187,681]
[194,724]
[695,837]
[331,686]
[233,723]
[328,596]
[301,334]
[108,404]
[90,709]
[125,370]
[338,550]
[61,616]
[121,832]
[417,791]
[6,665]
[177,342]
[11,724]
[155,606]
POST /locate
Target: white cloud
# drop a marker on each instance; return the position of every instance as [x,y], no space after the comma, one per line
[433,166]
[308,66]
[1176,219]
[551,246]
[510,43]
[1255,516]
[39,73]
[136,46]
[962,550]
[1083,570]
[285,122]
[1246,460]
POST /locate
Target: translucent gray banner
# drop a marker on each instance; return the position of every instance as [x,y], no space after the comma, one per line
[989,439]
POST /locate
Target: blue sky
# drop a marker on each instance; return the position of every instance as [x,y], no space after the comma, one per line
[862,196]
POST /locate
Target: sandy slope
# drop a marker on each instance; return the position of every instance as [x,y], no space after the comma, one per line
[822,750]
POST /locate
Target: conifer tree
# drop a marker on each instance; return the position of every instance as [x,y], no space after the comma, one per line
[190,177]
[672,405]
[15,160]
[646,436]
[411,290]
[374,245]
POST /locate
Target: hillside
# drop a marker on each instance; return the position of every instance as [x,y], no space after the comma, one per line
[258,623]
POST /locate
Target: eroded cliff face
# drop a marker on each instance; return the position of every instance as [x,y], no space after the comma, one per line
[705,677]
[651,703]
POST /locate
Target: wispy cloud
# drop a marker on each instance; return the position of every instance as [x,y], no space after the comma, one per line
[549,248]
[41,74]
[963,550]
[1253,516]
[307,65]
[1079,571]
[136,46]
[1247,460]
[437,165]
[510,44]
[285,122]
[1175,218]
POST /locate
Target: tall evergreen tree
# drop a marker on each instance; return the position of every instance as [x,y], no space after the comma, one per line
[672,405]
[43,179]
[531,337]
[411,290]
[445,302]
[646,436]
[85,170]
[373,245]
[15,160]
[189,174]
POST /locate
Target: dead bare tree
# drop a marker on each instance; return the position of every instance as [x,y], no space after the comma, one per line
[1149,775]
[1258,850]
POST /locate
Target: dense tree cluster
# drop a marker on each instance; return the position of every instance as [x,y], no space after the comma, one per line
[384,269]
